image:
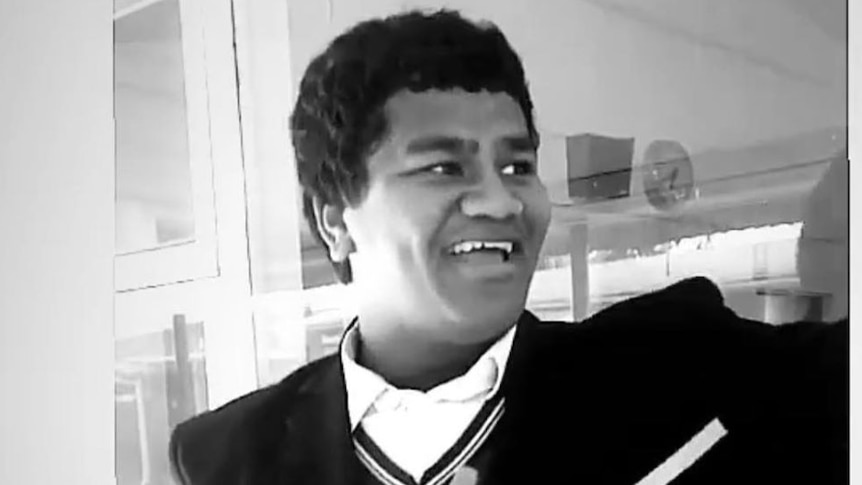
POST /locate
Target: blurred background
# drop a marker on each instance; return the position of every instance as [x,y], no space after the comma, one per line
[679,138]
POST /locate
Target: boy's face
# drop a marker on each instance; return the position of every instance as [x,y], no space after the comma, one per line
[456,169]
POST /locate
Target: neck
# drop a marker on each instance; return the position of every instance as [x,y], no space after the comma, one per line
[410,361]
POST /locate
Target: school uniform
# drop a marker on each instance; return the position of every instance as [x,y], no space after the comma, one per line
[453,419]
[669,387]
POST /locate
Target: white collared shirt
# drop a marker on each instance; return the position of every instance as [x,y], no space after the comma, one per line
[414,428]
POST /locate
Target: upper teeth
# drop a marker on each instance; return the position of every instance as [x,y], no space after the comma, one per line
[468,246]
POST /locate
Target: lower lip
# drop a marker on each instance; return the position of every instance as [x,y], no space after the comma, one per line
[486,267]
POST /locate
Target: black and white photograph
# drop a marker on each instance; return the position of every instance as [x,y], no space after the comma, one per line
[406,242]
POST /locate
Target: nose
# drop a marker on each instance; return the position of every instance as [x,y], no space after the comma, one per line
[490,197]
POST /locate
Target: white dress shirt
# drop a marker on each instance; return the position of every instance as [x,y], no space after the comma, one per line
[414,428]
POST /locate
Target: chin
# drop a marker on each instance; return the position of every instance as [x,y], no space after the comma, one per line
[477,324]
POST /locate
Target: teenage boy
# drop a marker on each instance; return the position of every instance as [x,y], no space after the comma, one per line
[416,151]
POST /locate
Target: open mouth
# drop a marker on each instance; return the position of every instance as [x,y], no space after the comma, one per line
[504,249]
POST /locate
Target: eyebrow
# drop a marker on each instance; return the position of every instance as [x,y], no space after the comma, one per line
[452,144]
[522,143]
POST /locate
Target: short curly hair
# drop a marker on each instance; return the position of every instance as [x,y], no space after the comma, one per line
[339,120]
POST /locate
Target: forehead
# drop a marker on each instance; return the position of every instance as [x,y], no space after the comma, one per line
[454,112]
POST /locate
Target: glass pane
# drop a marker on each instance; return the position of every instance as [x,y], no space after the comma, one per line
[160,381]
[292,328]
[680,142]
[154,198]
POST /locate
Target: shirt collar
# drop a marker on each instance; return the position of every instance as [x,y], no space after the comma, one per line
[365,387]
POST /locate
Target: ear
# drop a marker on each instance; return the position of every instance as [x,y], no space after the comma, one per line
[330,224]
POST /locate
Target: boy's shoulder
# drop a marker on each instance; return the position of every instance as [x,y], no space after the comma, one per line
[692,304]
[212,442]
[282,392]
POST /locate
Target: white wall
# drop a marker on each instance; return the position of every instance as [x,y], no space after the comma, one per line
[56,214]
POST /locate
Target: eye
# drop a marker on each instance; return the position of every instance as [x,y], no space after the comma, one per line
[445,168]
[519,167]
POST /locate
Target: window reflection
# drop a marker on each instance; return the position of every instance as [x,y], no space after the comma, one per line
[160,381]
[296,327]
[153,179]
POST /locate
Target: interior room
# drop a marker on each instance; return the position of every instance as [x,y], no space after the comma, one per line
[678,138]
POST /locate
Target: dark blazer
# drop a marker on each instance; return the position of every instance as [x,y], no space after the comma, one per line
[604,401]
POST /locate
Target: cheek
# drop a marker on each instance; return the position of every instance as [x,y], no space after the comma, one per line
[421,212]
[538,207]
[404,224]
